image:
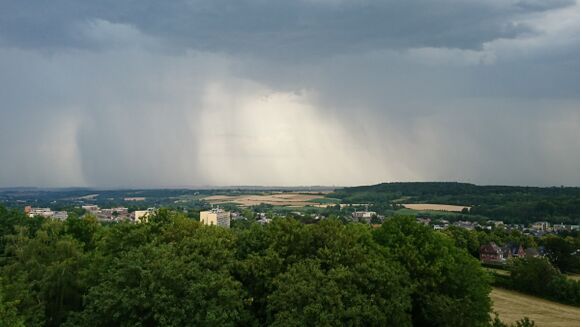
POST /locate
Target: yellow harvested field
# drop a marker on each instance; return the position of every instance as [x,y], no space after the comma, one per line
[437,207]
[277,199]
[512,306]
[574,277]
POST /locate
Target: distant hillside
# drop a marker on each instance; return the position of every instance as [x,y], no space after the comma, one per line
[518,204]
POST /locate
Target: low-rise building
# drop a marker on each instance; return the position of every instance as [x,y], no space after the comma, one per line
[135,198]
[46,213]
[496,223]
[424,221]
[264,221]
[465,224]
[562,227]
[491,253]
[119,213]
[91,208]
[364,216]
[43,212]
[108,214]
[511,250]
[541,226]
[60,215]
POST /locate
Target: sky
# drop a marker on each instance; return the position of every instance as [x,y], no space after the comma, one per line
[119,93]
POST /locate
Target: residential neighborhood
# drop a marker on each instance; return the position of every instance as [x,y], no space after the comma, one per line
[491,253]
[535,229]
[116,214]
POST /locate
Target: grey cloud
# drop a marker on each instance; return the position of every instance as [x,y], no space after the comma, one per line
[280,29]
[117,93]
[123,117]
[540,5]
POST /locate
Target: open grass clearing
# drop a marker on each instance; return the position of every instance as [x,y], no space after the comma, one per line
[512,306]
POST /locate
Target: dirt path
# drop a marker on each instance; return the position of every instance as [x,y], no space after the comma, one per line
[513,306]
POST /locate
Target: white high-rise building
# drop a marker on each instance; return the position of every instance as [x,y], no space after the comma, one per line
[216,216]
[141,216]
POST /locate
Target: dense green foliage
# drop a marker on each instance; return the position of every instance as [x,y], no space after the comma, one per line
[542,277]
[513,204]
[448,285]
[8,312]
[560,250]
[524,322]
[174,271]
[538,277]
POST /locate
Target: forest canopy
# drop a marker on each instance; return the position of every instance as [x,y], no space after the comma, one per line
[173,271]
[512,204]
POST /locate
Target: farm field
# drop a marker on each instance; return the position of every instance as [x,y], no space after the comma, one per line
[435,207]
[277,199]
[512,306]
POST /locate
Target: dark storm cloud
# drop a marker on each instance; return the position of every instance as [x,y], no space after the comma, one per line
[173,93]
[290,29]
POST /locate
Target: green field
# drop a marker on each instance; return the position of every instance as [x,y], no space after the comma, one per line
[326,201]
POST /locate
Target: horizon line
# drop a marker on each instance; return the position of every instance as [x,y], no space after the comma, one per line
[210,187]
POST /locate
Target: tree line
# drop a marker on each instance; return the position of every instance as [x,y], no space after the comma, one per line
[537,276]
[562,251]
[173,271]
[512,204]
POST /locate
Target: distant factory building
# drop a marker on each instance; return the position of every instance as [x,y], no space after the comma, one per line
[216,217]
[45,212]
